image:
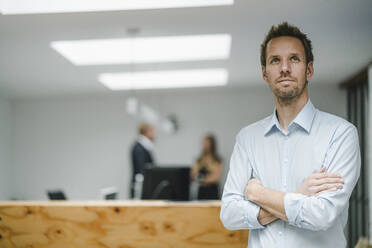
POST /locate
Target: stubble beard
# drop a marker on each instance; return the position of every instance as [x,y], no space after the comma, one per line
[286,98]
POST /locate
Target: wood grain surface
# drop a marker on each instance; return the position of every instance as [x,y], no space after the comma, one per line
[118,224]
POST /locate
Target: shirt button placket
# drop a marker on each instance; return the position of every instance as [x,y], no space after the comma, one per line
[285,173]
[285,162]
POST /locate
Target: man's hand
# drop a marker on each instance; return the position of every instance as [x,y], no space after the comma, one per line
[320,182]
[253,187]
[270,201]
[265,217]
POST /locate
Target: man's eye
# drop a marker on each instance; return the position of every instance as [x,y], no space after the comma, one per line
[295,58]
[274,60]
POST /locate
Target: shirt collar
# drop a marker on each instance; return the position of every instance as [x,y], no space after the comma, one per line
[306,116]
[303,119]
[273,122]
[146,142]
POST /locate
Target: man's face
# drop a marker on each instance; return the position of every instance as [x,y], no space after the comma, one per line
[286,71]
[151,133]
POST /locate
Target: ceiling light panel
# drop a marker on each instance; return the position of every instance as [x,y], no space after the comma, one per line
[62,6]
[165,79]
[145,50]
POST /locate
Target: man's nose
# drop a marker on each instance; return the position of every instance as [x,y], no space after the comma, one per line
[285,67]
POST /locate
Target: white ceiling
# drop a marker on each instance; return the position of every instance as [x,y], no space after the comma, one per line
[341,31]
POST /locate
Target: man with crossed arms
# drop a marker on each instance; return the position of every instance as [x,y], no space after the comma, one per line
[291,174]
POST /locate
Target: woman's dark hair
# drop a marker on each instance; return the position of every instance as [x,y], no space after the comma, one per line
[213,143]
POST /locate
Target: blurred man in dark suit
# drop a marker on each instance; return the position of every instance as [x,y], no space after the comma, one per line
[141,153]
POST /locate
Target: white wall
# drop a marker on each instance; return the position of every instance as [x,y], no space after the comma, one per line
[81,144]
[5,139]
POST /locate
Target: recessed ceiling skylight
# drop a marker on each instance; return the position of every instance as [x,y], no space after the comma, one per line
[164,79]
[60,6]
[145,50]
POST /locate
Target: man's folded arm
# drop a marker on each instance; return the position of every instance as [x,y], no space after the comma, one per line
[236,211]
[321,211]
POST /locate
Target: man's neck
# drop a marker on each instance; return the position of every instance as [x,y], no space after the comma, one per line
[287,112]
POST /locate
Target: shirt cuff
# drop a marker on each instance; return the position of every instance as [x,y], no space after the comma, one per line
[292,205]
[251,216]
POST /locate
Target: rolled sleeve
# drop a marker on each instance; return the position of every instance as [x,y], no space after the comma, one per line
[292,204]
[240,214]
[251,216]
[236,211]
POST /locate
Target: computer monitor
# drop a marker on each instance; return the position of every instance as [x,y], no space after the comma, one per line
[166,183]
[56,195]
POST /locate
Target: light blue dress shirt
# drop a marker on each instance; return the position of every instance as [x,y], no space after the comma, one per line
[281,161]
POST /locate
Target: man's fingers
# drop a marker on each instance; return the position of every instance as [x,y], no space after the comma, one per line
[327,187]
[329,190]
[326,175]
[328,180]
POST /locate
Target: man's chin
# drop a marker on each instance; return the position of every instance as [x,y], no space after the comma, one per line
[286,95]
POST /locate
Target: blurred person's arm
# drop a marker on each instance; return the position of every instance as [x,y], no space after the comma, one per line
[214,173]
[138,159]
[195,170]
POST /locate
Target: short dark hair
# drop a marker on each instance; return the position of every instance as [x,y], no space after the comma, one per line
[285,29]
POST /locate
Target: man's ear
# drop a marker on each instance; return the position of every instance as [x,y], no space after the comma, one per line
[264,73]
[309,70]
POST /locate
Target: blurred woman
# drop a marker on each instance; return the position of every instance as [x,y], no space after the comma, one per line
[207,170]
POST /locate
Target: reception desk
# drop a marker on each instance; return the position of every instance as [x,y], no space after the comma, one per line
[118,224]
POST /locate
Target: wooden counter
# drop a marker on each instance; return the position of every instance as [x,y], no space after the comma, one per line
[118,224]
